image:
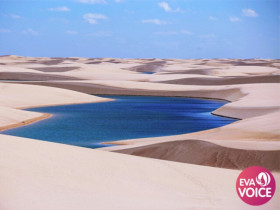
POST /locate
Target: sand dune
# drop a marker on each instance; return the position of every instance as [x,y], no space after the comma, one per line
[17,95]
[55,69]
[225,81]
[43,175]
[213,155]
[26,76]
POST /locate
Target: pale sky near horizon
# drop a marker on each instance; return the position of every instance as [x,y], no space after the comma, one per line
[141,28]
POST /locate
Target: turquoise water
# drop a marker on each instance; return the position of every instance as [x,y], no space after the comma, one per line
[126,117]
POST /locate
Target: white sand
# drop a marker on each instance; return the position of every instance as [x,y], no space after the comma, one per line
[43,175]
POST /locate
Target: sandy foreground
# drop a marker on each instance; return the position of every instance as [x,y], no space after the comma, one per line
[179,172]
[42,175]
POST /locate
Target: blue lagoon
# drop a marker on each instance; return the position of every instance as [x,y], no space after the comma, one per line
[127,117]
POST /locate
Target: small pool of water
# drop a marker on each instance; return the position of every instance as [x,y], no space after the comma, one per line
[126,117]
[148,72]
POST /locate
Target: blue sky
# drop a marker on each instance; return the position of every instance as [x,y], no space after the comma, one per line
[141,28]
